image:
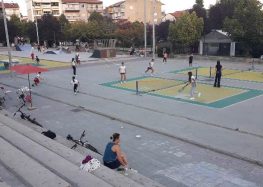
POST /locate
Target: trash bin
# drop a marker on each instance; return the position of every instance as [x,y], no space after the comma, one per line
[6,65]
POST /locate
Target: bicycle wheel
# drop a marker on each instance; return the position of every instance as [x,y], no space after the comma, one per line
[90,147]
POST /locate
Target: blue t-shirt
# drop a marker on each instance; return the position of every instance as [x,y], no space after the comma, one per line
[109,155]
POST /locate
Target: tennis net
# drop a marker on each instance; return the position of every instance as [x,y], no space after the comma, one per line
[155,84]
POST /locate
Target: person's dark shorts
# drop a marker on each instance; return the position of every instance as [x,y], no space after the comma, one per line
[122,73]
[112,165]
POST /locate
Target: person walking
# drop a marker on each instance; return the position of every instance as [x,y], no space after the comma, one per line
[73,64]
[37,60]
[150,67]
[75,83]
[122,71]
[77,59]
[113,156]
[165,56]
[218,70]
[191,58]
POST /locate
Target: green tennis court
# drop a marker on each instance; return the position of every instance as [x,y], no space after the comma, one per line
[171,89]
[254,76]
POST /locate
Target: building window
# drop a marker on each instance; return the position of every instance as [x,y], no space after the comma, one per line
[54,4]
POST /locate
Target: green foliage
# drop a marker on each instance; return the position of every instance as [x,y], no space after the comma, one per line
[218,13]
[200,3]
[130,33]
[246,25]
[187,30]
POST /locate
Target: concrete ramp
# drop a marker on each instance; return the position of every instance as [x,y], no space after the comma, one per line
[55,52]
[25,47]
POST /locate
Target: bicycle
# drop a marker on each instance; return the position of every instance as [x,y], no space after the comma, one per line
[3,94]
[82,143]
[26,116]
[24,95]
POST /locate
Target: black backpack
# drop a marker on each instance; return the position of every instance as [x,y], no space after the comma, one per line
[49,134]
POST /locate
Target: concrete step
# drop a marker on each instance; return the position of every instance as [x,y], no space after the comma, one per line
[3,184]
[30,171]
[55,163]
[108,175]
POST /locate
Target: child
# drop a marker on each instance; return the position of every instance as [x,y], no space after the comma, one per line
[75,83]
[193,87]
[32,56]
[73,64]
[150,67]
[77,58]
[37,79]
[37,60]
[122,71]
[165,55]
[191,57]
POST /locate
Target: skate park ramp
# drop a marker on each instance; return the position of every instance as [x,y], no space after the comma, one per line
[25,47]
[56,52]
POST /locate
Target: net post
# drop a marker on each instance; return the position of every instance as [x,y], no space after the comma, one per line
[137,88]
[210,72]
[196,72]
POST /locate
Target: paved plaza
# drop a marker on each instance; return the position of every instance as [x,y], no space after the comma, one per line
[215,140]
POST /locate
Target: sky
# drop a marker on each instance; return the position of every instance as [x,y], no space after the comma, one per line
[169,7]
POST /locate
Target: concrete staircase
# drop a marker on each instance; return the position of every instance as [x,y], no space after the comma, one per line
[36,160]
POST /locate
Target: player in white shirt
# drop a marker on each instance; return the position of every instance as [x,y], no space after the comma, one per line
[73,64]
[150,67]
[75,83]
[193,88]
[122,71]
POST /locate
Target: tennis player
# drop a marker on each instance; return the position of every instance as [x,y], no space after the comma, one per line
[193,87]
[122,71]
[150,67]
[218,74]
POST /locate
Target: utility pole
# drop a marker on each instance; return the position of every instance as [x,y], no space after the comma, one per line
[36,23]
[154,19]
[7,35]
[145,29]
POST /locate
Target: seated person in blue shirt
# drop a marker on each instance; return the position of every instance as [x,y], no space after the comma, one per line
[113,156]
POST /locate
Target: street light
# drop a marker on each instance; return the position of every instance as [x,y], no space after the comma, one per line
[154,20]
[36,23]
[145,29]
[6,34]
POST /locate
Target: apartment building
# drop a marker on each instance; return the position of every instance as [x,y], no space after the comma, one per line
[173,16]
[10,9]
[133,10]
[37,8]
[80,10]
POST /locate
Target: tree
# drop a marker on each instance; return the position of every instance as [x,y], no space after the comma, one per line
[95,16]
[162,31]
[246,26]
[49,29]
[200,11]
[64,23]
[186,30]
[200,3]
[130,33]
[218,13]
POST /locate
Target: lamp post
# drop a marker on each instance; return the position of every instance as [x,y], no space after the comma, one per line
[36,23]
[145,29]
[6,34]
[154,19]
